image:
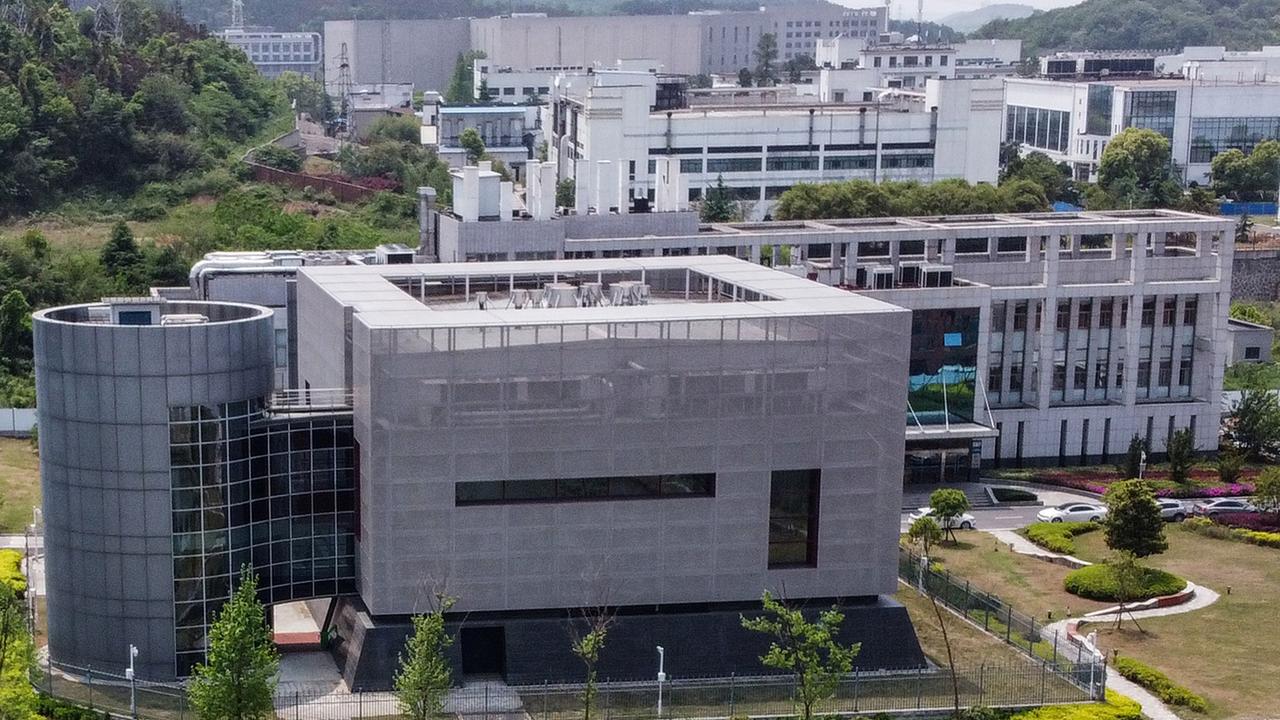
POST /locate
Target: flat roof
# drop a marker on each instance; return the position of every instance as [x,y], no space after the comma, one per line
[370,291]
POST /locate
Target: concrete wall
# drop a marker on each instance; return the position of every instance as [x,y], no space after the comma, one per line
[1256,275]
[104,393]
[527,42]
[422,52]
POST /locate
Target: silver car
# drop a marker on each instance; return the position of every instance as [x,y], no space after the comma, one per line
[1171,509]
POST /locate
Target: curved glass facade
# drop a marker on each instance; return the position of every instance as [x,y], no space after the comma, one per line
[275,492]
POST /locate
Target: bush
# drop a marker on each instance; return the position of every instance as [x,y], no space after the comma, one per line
[1098,582]
[1057,537]
[1263,522]
[1117,707]
[1013,495]
[11,571]
[1160,684]
[1209,528]
[55,709]
[274,156]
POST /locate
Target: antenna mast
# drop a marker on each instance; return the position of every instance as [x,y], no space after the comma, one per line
[344,90]
[237,15]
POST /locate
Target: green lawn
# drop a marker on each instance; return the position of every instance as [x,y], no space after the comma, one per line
[1227,651]
[19,484]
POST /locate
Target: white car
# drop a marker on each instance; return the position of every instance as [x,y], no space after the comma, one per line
[1171,509]
[1073,512]
[1209,508]
[964,521]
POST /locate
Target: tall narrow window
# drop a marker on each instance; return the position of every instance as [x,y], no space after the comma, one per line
[793,518]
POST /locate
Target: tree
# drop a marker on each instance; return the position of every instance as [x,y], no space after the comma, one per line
[1266,491]
[948,504]
[1181,453]
[810,651]
[1230,463]
[718,205]
[798,65]
[1129,577]
[745,77]
[15,327]
[1254,423]
[17,697]
[473,144]
[277,157]
[424,678]
[1199,200]
[1133,457]
[306,94]
[238,679]
[589,636]
[926,533]
[1053,178]
[1133,523]
[566,193]
[404,129]
[701,80]
[766,57]
[1244,229]
[120,256]
[461,89]
[484,96]
[1137,169]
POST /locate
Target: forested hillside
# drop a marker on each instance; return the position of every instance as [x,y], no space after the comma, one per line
[1144,24]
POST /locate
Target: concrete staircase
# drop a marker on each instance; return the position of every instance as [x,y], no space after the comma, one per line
[917,495]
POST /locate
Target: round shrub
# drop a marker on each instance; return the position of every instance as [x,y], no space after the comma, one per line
[1097,582]
[1013,495]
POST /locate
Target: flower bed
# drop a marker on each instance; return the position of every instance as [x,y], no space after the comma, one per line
[1203,482]
[1262,522]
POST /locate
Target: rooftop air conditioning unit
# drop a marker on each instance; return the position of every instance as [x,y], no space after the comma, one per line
[881,278]
[561,295]
[519,298]
[938,276]
[592,294]
[910,273]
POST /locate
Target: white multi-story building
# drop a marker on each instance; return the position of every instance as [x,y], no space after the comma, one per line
[274,53]
[948,131]
[1218,63]
[1073,121]
[850,69]
[514,86]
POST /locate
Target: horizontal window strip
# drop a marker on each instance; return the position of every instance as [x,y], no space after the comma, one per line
[628,487]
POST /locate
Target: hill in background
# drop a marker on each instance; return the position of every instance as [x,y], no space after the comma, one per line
[1144,24]
[974,19]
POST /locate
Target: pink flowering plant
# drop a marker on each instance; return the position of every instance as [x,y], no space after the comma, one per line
[1202,482]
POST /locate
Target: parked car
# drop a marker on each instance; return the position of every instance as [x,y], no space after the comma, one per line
[1073,512]
[963,521]
[1209,508]
[1171,509]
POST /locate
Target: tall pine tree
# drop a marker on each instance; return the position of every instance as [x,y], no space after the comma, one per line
[238,679]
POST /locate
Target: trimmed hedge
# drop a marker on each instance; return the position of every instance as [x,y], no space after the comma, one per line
[1209,528]
[1097,582]
[1157,682]
[11,571]
[1117,707]
[1263,522]
[54,709]
[1056,537]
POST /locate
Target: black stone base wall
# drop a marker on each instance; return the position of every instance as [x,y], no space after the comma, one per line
[700,641]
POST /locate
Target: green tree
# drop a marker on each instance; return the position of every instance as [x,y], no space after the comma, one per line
[1053,178]
[1136,169]
[1199,200]
[589,636]
[745,78]
[461,89]
[484,95]
[1180,452]
[1266,492]
[404,129]
[17,697]
[798,65]
[1020,196]
[810,650]
[238,679]
[15,328]
[1230,463]
[423,681]
[948,504]
[701,80]
[718,205]
[1130,577]
[566,193]
[277,157]
[766,57]
[473,144]
[1244,230]
[1133,457]
[925,532]
[306,94]
[1254,424]
[120,256]
[1133,523]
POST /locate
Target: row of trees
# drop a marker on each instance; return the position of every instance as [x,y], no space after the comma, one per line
[863,198]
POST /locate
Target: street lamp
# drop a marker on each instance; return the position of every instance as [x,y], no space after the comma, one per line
[1142,464]
[133,686]
[662,677]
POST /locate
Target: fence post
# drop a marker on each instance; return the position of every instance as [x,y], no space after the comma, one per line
[297,701]
[1044,675]
[360,705]
[986,616]
[982,687]
[857,676]
[919,686]
[486,701]
[544,700]
[1008,622]
[1055,648]
[48,665]
[732,677]
[90,687]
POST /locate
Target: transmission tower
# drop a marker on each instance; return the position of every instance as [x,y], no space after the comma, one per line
[107,20]
[16,13]
[237,15]
[344,91]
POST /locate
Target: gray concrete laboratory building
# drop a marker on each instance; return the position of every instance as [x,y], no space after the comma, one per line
[666,437]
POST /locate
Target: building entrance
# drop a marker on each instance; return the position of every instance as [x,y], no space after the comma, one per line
[484,651]
[937,465]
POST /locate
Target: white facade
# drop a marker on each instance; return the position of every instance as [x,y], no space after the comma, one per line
[510,132]
[1208,63]
[277,52]
[951,131]
[1073,121]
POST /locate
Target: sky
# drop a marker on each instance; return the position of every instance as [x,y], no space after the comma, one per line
[936,9]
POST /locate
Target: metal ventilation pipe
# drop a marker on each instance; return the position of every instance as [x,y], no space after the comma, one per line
[426,223]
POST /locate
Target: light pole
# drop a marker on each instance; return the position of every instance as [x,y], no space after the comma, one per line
[1142,464]
[662,677]
[133,686]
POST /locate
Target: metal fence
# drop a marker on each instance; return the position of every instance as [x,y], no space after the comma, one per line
[113,692]
[1002,620]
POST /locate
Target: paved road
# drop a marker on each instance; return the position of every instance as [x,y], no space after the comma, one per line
[999,518]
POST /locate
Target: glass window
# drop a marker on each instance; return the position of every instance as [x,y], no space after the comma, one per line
[793,518]
[1189,309]
[1212,135]
[732,165]
[1098,119]
[1085,318]
[1148,312]
[791,163]
[1151,109]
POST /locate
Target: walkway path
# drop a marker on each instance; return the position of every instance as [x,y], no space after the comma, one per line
[1201,597]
